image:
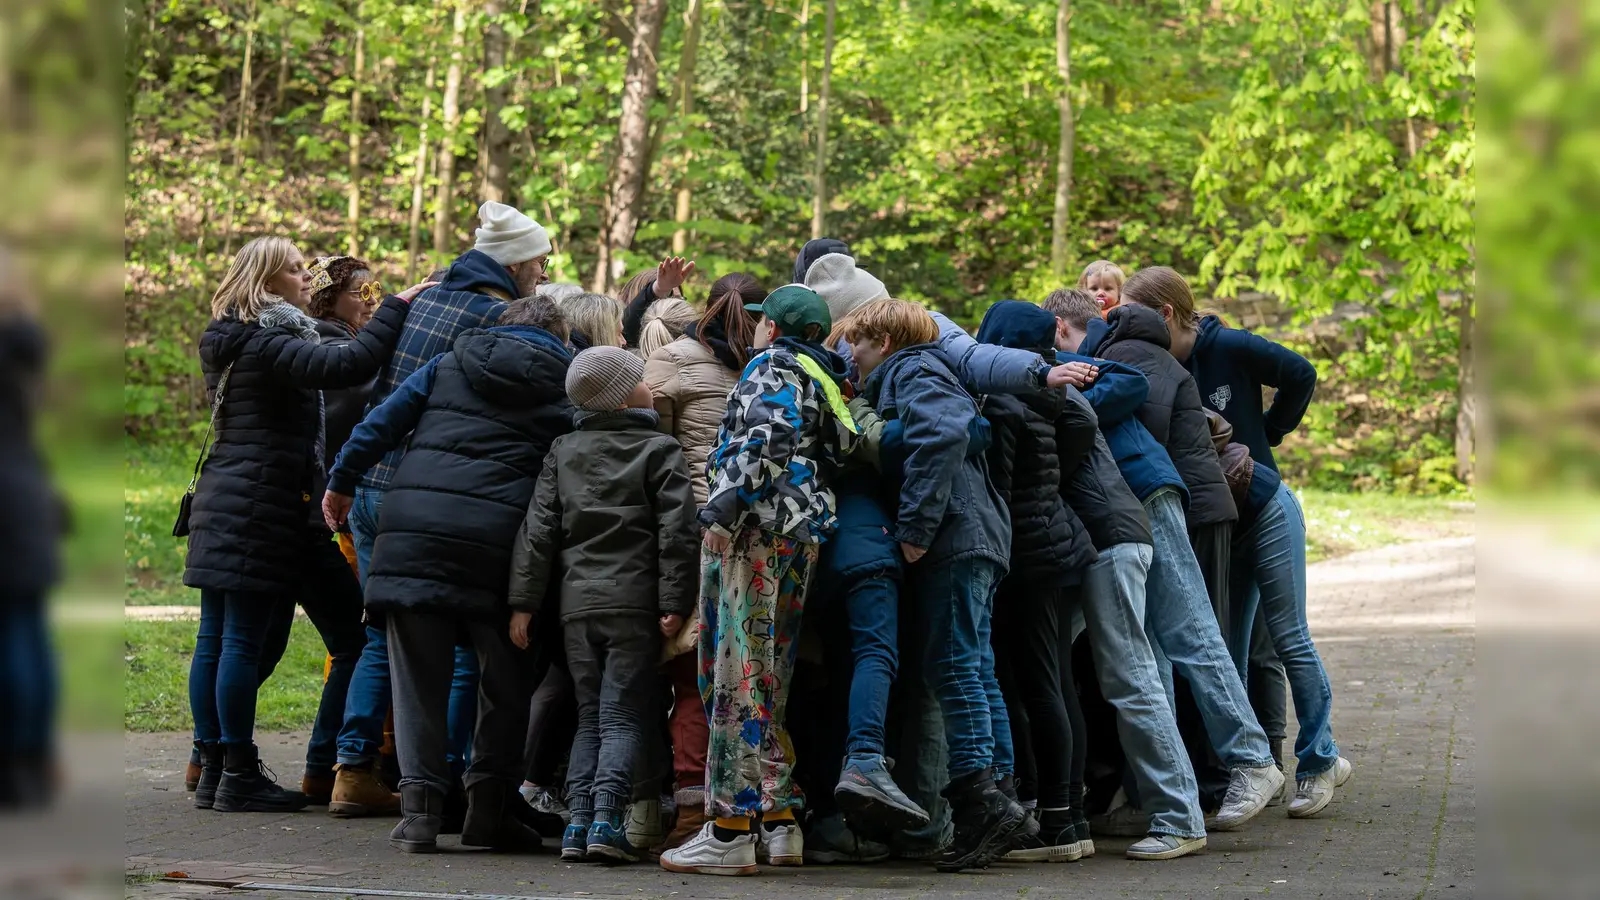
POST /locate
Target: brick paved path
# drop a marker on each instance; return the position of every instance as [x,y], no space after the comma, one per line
[1396,630]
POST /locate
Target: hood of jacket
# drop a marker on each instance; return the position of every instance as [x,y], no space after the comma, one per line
[224,340]
[1205,337]
[831,362]
[514,364]
[1020,325]
[813,251]
[1132,322]
[473,271]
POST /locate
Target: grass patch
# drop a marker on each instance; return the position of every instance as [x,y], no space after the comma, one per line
[1338,523]
[91,670]
[155,479]
[157,686]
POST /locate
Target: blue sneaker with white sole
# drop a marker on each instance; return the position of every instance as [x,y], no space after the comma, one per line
[575,843]
[609,844]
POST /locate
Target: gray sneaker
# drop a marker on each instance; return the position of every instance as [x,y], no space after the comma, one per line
[1165,846]
[1313,793]
[1247,796]
[544,800]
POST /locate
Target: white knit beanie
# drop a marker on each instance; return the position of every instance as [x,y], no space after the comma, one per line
[601,378]
[844,285]
[509,237]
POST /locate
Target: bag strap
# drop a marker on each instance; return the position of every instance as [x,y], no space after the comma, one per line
[205,445]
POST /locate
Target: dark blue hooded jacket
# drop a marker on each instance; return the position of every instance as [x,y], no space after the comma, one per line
[1231,365]
[946,501]
[1116,395]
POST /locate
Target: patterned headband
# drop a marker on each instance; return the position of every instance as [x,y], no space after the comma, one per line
[319,271]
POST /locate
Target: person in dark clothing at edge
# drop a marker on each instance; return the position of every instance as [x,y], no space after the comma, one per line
[32,523]
[1040,439]
[866,574]
[954,533]
[1182,624]
[1126,467]
[1231,367]
[611,530]
[480,420]
[642,290]
[509,260]
[256,542]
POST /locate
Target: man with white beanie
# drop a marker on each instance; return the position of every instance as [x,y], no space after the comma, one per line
[507,262]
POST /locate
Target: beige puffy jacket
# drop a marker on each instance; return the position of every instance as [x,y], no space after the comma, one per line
[691,388]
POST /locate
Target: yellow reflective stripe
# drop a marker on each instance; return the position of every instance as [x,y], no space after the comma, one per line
[830,389]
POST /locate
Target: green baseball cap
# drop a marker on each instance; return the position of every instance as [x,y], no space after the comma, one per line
[793,307]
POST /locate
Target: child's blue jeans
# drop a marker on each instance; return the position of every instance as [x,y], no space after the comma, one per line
[955,603]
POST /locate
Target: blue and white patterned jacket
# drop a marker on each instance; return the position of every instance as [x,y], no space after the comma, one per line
[777,449]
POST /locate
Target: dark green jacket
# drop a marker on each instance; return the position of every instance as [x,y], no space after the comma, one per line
[611,527]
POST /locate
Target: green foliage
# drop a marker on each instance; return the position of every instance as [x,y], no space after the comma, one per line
[1250,141]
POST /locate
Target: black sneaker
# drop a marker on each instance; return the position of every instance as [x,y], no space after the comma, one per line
[985,821]
[1049,845]
[247,785]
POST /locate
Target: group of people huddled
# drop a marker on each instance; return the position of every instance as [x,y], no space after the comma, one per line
[803,576]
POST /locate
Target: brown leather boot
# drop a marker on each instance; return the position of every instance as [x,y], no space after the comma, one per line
[317,788]
[358,793]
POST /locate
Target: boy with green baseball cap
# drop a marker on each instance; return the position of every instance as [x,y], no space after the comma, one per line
[770,507]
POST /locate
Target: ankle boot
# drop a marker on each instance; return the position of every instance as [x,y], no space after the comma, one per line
[205,788]
[247,784]
[985,821]
[421,815]
[455,809]
[191,772]
[357,792]
[489,822]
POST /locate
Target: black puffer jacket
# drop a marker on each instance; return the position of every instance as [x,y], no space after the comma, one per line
[1137,335]
[261,489]
[611,522]
[452,513]
[343,408]
[1036,437]
[32,516]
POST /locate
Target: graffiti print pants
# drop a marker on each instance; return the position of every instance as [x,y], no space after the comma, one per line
[751,599]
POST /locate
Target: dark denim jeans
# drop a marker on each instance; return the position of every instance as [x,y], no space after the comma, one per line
[360,736]
[27,678]
[224,671]
[873,609]
[955,601]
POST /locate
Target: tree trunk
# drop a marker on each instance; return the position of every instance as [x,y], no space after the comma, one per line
[1064,149]
[691,43]
[414,245]
[805,59]
[283,68]
[1466,395]
[353,219]
[633,138]
[496,137]
[245,83]
[819,189]
[447,144]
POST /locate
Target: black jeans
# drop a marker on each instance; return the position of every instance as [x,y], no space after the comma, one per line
[1268,686]
[613,664]
[553,712]
[1033,656]
[422,651]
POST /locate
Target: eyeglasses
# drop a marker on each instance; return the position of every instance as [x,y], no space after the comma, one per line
[370,292]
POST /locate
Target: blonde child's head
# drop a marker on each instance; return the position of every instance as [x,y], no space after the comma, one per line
[1073,308]
[1103,280]
[876,330]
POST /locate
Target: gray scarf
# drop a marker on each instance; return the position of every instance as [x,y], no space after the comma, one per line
[285,315]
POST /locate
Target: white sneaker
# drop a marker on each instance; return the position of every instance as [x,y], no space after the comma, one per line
[1313,793]
[1126,820]
[1165,846]
[781,846]
[703,854]
[1247,796]
[544,800]
[1342,770]
[1281,796]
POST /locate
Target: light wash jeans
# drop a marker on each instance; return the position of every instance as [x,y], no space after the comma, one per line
[1183,632]
[1269,569]
[1113,611]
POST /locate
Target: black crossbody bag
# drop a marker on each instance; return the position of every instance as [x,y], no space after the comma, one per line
[180,528]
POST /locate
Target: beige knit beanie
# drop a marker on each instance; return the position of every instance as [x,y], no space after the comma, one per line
[601,378]
[843,285]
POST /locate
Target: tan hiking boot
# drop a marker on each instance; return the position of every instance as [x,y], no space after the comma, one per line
[357,793]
